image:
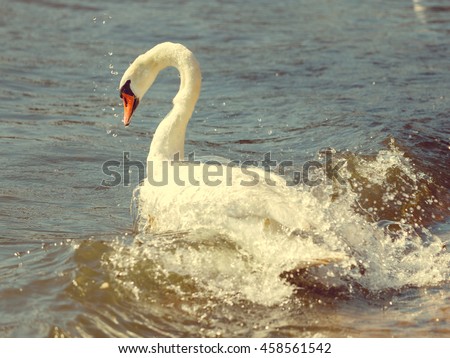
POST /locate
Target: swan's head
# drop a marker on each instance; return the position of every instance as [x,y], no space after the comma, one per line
[136,80]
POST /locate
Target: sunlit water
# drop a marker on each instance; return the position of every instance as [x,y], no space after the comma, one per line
[370,80]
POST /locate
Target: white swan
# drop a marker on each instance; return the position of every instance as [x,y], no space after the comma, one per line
[224,202]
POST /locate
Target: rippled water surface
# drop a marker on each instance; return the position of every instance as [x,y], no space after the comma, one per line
[369,79]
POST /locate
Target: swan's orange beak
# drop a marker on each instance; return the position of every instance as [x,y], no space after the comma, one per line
[130,103]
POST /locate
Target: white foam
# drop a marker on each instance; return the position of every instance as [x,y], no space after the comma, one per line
[244,263]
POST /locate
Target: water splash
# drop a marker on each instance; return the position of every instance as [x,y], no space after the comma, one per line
[357,245]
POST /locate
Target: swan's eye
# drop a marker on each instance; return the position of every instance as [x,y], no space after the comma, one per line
[126,89]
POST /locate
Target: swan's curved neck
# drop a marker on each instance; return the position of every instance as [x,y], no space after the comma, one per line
[168,140]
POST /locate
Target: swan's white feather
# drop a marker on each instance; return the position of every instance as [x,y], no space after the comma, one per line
[224,202]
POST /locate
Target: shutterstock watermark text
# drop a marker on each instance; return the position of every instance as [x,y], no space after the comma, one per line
[249,172]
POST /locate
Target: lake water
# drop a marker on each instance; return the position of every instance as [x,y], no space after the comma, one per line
[369,79]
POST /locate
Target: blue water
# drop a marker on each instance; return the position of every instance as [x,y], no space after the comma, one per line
[289,77]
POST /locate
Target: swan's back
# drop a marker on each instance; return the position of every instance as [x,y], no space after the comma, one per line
[222,202]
